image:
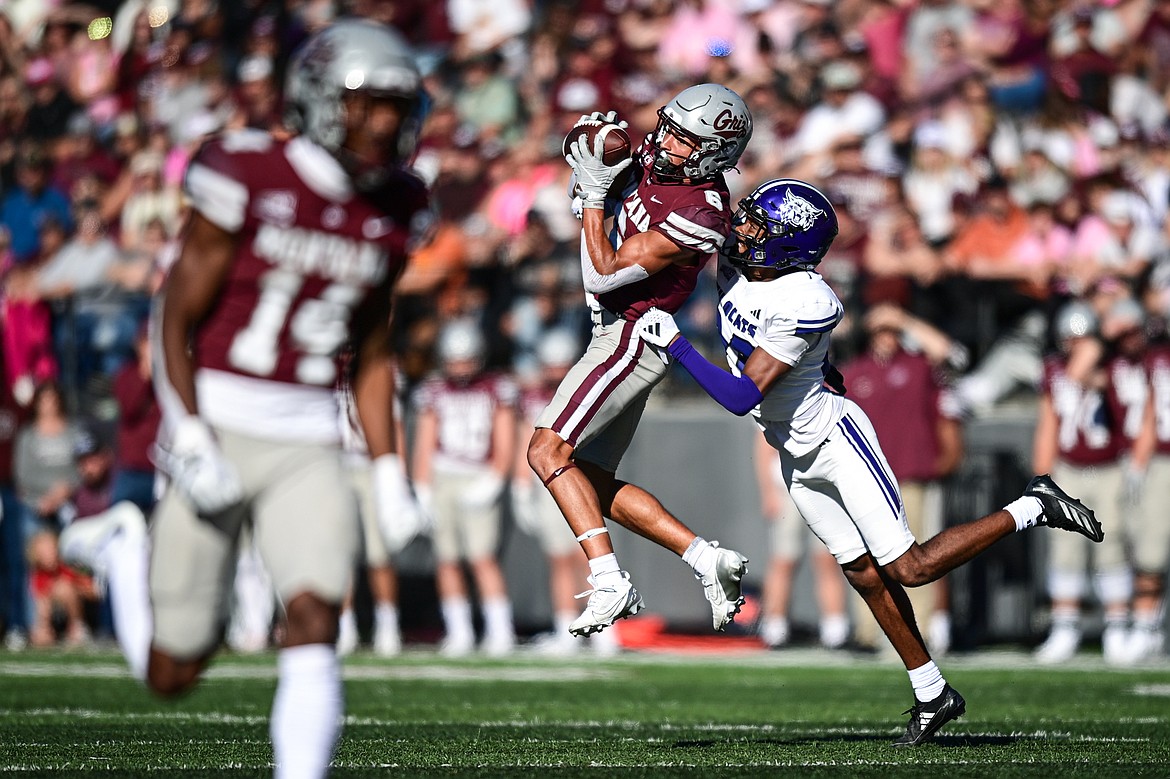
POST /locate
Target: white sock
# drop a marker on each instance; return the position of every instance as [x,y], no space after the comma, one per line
[928,682]
[127,559]
[348,622]
[774,631]
[700,556]
[1025,511]
[604,569]
[386,614]
[834,630]
[497,617]
[457,618]
[307,711]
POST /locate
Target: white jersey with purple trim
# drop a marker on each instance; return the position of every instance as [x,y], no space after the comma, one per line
[790,318]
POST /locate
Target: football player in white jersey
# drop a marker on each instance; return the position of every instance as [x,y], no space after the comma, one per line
[776,315]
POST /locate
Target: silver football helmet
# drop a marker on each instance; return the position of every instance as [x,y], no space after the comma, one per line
[1075,319]
[352,55]
[558,347]
[461,340]
[715,119]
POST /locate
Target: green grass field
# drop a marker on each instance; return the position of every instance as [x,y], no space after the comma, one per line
[754,714]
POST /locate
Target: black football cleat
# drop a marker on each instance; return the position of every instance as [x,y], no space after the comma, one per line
[927,718]
[1063,511]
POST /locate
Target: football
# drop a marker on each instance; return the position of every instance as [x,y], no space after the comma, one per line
[617,140]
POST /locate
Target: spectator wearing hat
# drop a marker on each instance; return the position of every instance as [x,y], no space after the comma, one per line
[843,111]
[148,201]
[1113,243]
[94,493]
[487,100]
[256,97]
[79,154]
[933,182]
[26,208]
[899,384]
[51,107]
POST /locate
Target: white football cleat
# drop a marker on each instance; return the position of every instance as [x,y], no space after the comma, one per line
[1145,644]
[459,645]
[722,586]
[1116,647]
[498,644]
[83,541]
[1061,646]
[606,605]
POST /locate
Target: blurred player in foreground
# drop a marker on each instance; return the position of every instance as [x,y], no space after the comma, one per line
[776,315]
[292,251]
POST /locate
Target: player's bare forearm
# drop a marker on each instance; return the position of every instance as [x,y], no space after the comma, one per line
[426,437]
[373,394]
[650,249]
[503,441]
[191,289]
[1044,448]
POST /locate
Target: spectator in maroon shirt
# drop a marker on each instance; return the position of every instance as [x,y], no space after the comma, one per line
[138,421]
[918,424]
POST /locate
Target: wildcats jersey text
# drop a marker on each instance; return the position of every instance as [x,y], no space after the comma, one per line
[310,252]
[791,319]
[693,216]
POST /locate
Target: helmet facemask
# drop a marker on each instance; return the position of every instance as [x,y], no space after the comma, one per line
[698,165]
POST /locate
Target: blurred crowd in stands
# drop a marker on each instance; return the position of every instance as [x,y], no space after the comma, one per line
[990,160]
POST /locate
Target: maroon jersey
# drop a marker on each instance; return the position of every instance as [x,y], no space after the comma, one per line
[1158,368]
[1087,433]
[692,216]
[311,251]
[904,400]
[465,413]
[1129,390]
[139,417]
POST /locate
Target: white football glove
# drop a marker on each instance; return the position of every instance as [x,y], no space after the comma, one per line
[657,327]
[424,495]
[609,118]
[197,467]
[594,177]
[524,507]
[481,492]
[399,518]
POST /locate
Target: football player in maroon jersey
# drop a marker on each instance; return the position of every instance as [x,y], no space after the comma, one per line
[1079,438]
[668,219]
[292,250]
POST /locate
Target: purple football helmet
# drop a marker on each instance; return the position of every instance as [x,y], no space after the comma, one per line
[794,226]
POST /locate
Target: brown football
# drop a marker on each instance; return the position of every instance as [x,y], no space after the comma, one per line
[617,140]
